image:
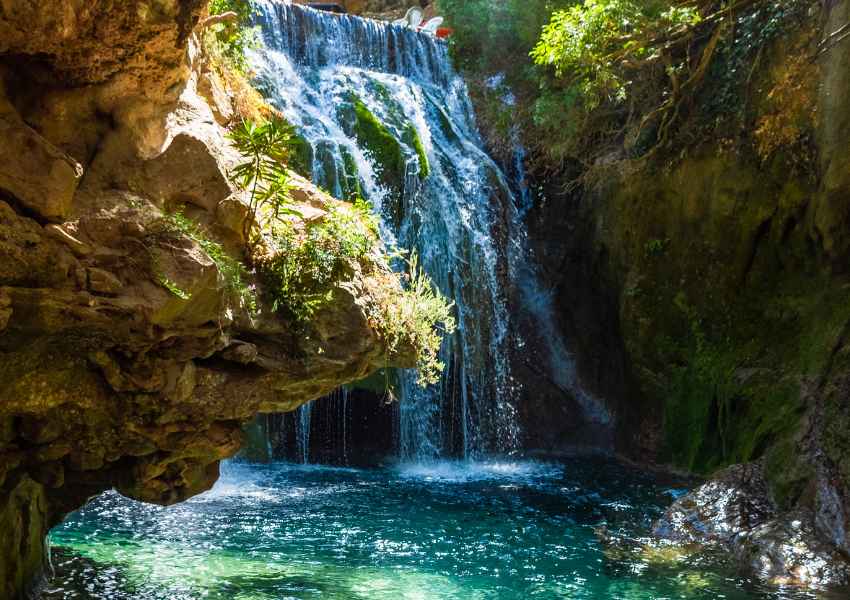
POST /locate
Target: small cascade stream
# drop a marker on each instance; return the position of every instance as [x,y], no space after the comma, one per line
[302,432]
[440,194]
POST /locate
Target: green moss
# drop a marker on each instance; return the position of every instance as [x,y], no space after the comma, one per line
[351,185]
[738,394]
[376,137]
[411,137]
[787,474]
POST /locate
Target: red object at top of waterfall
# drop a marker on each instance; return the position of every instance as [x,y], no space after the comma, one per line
[444,32]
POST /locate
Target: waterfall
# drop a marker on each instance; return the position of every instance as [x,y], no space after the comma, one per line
[302,432]
[384,116]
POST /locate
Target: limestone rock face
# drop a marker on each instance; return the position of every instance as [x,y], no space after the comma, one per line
[36,173]
[126,358]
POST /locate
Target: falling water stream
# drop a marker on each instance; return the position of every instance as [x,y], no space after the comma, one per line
[481,526]
[453,206]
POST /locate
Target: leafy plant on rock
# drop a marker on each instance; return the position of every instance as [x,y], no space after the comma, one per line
[420,316]
[234,276]
[307,263]
[266,148]
[230,35]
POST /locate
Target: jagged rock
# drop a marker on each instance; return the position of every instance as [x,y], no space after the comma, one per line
[37,174]
[717,511]
[102,281]
[734,510]
[788,551]
[241,352]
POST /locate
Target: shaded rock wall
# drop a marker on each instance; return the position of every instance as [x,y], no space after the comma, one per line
[126,359]
[707,292]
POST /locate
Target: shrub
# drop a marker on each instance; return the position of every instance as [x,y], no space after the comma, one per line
[420,316]
[307,263]
[590,43]
[228,41]
[266,148]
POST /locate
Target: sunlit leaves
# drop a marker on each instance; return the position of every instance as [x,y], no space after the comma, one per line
[591,42]
[265,148]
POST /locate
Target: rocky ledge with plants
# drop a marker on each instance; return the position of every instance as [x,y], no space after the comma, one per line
[163,276]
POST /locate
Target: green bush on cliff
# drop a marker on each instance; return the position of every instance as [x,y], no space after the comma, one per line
[420,316]
[266,148]
[307,263]
[591,43]
[230,39]
[614,77]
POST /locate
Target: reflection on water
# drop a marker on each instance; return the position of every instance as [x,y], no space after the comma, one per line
[446,530]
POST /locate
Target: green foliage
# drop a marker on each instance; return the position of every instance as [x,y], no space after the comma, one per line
[589,42]
[266,148]
[421,316]
[307,264]
[232,272]
[172,287]
[230,40]
[489,35]
[656,246]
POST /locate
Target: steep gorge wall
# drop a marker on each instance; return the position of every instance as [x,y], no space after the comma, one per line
[708,297]
[125,360]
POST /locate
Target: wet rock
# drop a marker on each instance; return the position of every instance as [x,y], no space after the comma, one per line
[734,510]
[787,550]
[717,511]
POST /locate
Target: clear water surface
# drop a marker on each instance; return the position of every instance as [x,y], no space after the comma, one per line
[506,530]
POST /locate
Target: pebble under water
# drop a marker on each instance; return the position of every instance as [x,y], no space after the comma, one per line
[503,530]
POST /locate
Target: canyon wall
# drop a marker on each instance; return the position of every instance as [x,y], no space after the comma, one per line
[706,292]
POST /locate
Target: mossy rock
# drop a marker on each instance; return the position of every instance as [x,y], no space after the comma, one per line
[412,139]
[386,150]
[302,156]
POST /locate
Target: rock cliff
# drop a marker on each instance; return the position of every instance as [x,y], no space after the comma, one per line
[707,294]
[127,359]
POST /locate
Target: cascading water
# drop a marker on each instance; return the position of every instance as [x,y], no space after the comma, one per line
[385,117]
[302,432]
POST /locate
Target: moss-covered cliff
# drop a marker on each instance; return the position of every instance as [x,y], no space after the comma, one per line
[705,283]
[135,336]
